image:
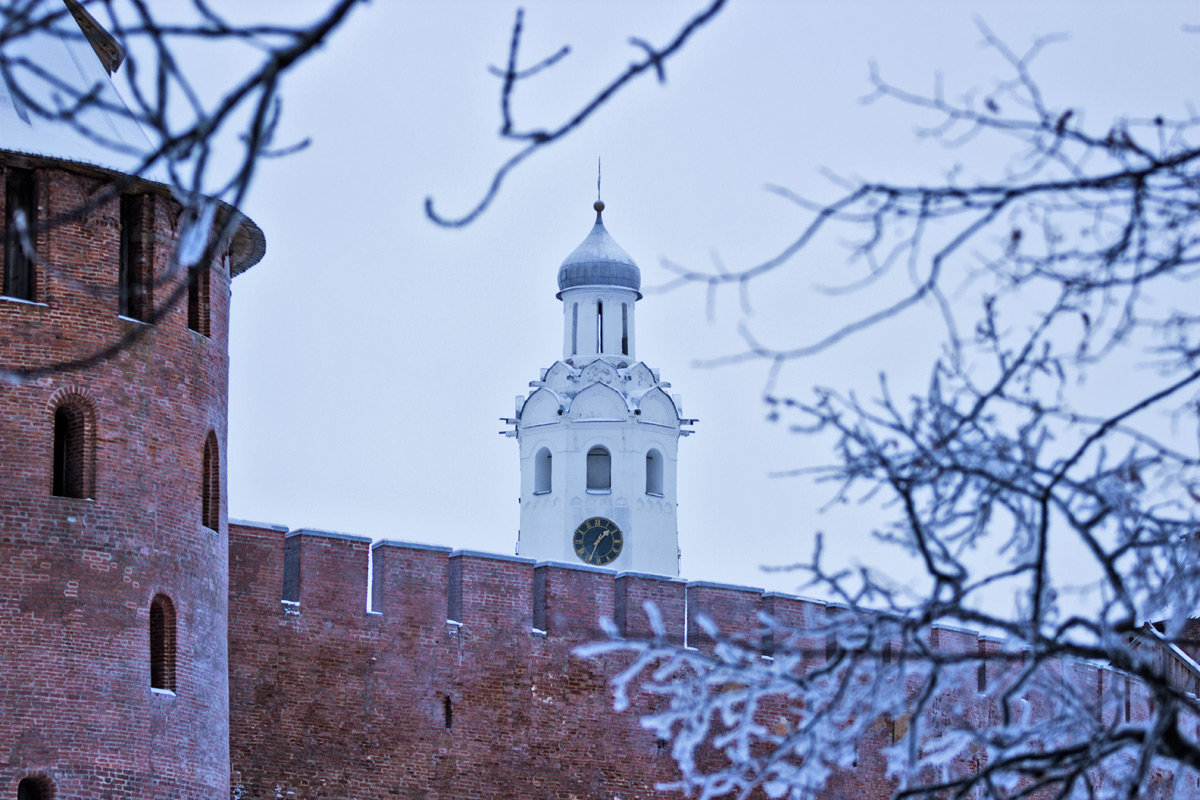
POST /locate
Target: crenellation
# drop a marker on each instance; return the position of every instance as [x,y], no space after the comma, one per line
[949,639]
[409,582]
[803,618]
[632,590]
[491,592]
[572,600]
[447,687]
[733,609]
[256,562]
[326,572]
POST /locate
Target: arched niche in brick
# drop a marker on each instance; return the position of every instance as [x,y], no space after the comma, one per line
[162,643]
[35,787]
[72,444]
[210,484]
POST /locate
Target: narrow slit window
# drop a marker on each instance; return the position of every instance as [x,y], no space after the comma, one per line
[599,327]
[210,484]
[574,328]
[133,297]
[599,470]
[162,643]
[34,789]
[447,712]
[654,473]
[542,472]
[198,298]
[20,234]
[70,456]
[624,329]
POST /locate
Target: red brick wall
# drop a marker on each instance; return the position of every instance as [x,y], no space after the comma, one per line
[329,700]
[77,575]
[332,698]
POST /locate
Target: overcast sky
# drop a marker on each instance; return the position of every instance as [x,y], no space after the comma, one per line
[373,352]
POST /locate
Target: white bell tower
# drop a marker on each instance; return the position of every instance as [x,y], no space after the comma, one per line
[598,432]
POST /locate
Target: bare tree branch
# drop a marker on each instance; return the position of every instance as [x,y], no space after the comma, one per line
[536,139]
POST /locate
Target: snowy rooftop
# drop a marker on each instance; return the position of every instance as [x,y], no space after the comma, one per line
[106,134]
[62,65]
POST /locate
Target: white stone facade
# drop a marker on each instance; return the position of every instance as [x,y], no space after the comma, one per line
[598,433]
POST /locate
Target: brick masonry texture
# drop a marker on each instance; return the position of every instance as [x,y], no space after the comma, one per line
[458,678]
[409,698]
[77,575]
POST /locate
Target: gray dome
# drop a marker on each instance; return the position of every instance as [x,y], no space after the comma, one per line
[599,261]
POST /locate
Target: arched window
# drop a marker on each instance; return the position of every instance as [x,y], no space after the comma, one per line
[574,328]
[624,329]
[599,327]
[162,643]
[72,455]
[210,485]
[541,472]
[599,470]
[654,473]
[35,788]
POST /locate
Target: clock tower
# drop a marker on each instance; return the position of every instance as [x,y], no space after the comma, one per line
[598,432]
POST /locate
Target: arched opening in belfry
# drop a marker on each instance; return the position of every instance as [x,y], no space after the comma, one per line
[542,463]
[624,329]
[654,473]
[599,327]
[599,470]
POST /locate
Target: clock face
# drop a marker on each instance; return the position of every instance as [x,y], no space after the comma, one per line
[598,541]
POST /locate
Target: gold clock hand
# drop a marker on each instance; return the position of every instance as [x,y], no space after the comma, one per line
[600,539]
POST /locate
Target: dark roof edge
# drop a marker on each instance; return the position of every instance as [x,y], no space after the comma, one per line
[248,245]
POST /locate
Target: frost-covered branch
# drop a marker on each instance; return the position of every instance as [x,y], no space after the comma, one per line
[1043,483]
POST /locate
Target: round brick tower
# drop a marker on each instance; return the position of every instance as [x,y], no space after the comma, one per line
[113,532]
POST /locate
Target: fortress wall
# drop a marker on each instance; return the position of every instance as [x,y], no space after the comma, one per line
[444,684]
[460,678]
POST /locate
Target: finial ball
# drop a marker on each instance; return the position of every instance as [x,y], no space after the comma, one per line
[598,205]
